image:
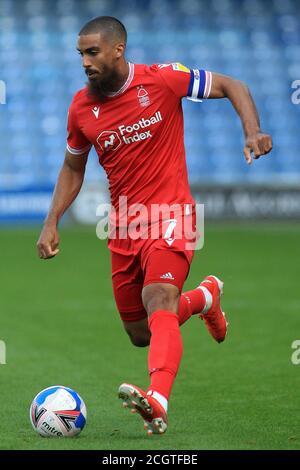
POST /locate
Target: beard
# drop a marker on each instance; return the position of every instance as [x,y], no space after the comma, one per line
[101,87]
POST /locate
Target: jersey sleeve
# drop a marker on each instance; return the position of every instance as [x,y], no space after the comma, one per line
[77,143]
[194,84]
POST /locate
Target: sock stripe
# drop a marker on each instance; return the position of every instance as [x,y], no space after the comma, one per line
[160,398]
[208,298]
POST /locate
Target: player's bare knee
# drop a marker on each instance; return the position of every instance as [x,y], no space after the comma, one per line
[141,341]
[160,297]
[138,333]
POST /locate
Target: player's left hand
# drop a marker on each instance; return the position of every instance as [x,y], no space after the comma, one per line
[258,143]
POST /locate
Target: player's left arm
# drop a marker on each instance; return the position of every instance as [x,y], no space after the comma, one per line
[239,94]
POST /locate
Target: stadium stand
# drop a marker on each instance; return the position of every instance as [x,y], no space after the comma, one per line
[255,41]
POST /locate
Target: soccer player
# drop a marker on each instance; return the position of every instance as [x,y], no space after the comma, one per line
[132,115]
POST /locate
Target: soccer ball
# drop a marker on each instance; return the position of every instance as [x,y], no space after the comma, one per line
[58,411]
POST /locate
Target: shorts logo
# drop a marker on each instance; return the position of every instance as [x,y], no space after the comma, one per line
[109,140]
[167,276]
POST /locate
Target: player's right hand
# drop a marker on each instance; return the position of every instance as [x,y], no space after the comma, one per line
[47,245]
[257,143]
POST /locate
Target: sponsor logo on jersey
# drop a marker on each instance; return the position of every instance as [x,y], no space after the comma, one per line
[141,124]
[109,140]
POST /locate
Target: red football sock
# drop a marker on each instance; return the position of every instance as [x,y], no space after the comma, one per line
[165,351]
[191,302]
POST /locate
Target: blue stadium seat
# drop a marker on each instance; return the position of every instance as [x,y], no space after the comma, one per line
[257,41]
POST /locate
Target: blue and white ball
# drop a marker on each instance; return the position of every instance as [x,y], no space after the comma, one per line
[58,411]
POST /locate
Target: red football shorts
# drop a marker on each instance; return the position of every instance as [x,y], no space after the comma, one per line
[137,263]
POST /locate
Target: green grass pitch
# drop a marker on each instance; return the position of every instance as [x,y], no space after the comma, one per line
[60,326]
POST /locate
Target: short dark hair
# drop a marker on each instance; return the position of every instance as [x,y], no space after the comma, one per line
[112,28]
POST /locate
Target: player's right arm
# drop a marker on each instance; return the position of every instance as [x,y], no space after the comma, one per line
[68,185]
[199,84]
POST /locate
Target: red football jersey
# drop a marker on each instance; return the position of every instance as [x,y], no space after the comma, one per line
[138,132]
